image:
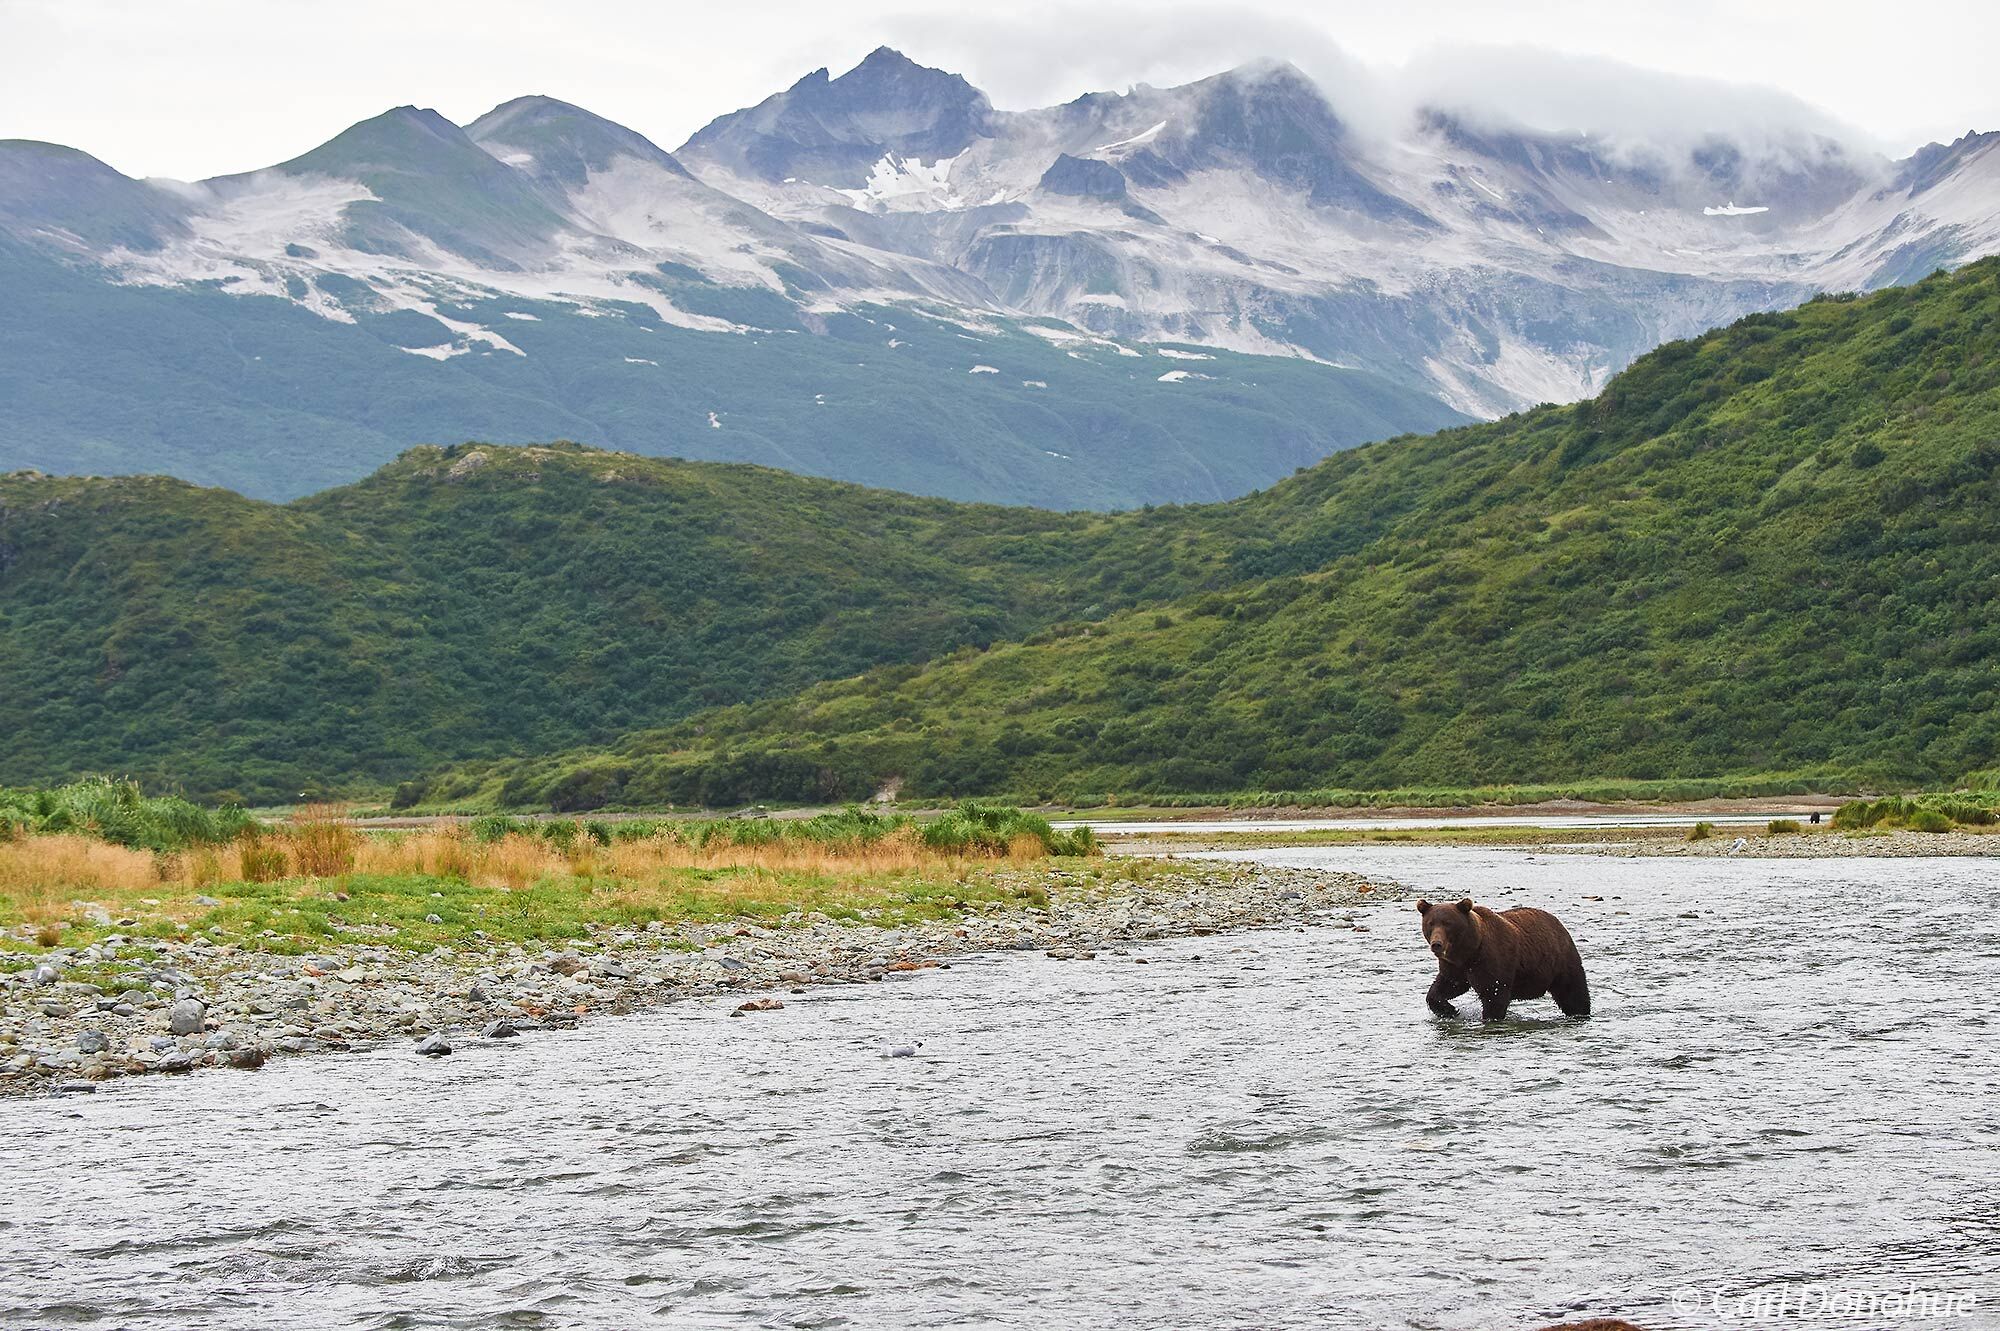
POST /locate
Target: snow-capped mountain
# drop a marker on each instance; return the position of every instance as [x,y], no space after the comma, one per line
[1495,268]
[1159,294]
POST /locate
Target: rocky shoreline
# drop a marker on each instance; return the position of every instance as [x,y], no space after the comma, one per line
[193,1005]
[1814,845]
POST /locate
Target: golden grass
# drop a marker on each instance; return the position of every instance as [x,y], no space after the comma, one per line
[521,884]
[42,876]
[518,860]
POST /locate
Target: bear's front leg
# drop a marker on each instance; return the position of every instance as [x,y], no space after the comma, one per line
[1447,986]
[1493,1003]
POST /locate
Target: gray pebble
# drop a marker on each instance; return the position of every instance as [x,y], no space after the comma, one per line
[433,1045]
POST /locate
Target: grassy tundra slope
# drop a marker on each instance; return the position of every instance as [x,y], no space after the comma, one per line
[1768,548]
[485,601]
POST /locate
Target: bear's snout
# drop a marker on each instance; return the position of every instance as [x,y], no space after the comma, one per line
[1437,946]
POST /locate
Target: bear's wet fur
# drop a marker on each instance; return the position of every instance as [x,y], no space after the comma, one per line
[1502,956]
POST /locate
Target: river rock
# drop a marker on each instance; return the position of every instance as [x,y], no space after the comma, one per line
[434,1045]
[759,1005]
[92,1042]
[501,1030]
[187,1016]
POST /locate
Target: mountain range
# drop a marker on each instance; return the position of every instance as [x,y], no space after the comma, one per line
[1157,295]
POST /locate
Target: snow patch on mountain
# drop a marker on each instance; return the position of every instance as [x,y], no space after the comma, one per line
[1137,141]
[907,183]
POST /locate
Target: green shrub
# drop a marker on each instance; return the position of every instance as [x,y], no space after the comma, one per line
[117,811]
[491,827]
[1779,826]
[1929,820]
[992,828]
[1701,831]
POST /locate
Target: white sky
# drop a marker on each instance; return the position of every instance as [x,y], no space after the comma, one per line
[191,88]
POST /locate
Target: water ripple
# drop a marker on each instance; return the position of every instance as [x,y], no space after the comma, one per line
[1265,1131]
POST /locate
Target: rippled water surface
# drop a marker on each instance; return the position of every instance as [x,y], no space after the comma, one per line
[1790,1081]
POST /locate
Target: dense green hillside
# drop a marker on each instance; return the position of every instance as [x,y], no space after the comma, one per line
[486,601]
[1773,547]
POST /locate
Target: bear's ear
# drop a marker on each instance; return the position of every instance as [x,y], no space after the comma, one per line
[1465,906]
[1423,907]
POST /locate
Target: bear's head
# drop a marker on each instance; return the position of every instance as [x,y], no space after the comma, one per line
[1451,931]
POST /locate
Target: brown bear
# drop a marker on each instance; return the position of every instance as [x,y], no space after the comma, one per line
[1502,956]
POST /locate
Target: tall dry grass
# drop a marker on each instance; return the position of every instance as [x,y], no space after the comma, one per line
[519,859]
[42,876]
[320,842]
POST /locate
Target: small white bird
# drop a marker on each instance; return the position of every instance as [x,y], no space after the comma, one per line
[903,1050]
[1741,842]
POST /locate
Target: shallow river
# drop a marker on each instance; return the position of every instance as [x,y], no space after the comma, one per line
[1789,1090]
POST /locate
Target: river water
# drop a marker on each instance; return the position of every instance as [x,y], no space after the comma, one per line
[1788,1091]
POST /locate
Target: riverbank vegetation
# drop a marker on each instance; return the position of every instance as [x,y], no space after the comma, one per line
[318,880]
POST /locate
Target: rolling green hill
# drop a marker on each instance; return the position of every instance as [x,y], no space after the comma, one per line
[1770,548]
[485,601]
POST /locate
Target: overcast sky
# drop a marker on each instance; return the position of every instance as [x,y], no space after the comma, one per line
[191,88]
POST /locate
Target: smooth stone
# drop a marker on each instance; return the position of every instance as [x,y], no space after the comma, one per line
[187,1016]
[433,1045]
[501,1030]
[92,1042]
[73,1087]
